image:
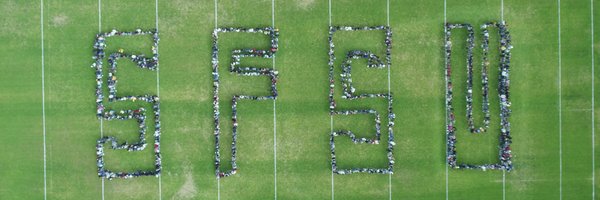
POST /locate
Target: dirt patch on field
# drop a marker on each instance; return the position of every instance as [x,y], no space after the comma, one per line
[305,4]
[59,20]
[188,190]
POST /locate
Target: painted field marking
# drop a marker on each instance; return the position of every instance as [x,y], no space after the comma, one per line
[389,90]
[559,105]
[43,94]
[158,90]
[274,112]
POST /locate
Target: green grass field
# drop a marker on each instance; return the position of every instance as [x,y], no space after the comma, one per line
[548,163]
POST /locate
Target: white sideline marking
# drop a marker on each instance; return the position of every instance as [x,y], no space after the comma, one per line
[274,112]
[329,12]
[593,112]
[101,120]
[99,16]
[43,94]
[559,105]
[446,77]
[389,89]
[502,10]
[158,89]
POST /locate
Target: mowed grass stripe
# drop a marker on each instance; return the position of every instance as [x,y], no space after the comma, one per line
[576,76]
[418,88]
[303,152]
[255,155]
[21,102]
[349,155]
[71,125]
[304,169]
[534,89]
[127,16]
[472,148]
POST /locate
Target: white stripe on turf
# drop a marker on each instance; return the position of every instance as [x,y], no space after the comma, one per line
[502,10]
[389,91]
[43,94]
[559,105]
[99,16]
[158,89]
[101,120]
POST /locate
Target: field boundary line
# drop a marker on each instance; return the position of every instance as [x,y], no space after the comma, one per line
[43,96]
[389,90]
[502,10]
[559,105]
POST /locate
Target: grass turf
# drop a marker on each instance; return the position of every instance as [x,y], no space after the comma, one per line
[303,170]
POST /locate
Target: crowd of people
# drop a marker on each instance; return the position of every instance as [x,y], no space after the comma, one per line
[503,94]
[235,67]
[102,112]
[348,93]
[372,62]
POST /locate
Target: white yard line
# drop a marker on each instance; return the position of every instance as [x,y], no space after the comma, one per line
[390,185]
[329,12]
[274,113]
[446,77]
[559,105]
[101,120]
[158,88]
[43,94]
[388,12]
[593,111]
[99,16]
[502,10]
[389,90]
